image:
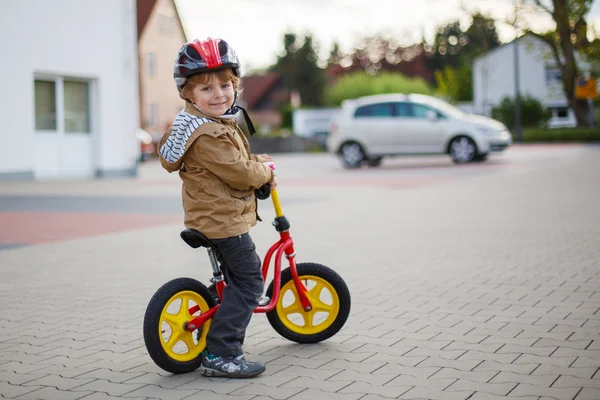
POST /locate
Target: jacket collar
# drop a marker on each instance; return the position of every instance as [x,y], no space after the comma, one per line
[190,109]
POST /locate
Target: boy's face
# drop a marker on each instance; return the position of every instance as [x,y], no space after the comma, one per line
[214,97]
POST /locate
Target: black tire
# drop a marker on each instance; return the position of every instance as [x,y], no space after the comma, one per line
[152,322]
[462,149]
[374,162]
[352,155]
[341,290]
[482,157]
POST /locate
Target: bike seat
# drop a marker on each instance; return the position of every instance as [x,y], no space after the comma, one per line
[195,239]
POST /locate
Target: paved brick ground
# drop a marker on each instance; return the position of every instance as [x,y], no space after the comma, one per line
[468,282]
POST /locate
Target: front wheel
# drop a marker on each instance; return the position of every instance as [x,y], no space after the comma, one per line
[169,344]
[330,299]
[462,150]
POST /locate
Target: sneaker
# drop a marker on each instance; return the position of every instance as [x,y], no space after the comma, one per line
[230,367]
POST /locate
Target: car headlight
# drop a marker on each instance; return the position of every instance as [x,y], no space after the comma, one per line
[489,131]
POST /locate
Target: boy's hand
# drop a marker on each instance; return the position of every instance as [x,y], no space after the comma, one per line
[273,183]
[265,157]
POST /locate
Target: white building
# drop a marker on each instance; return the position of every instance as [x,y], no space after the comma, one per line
[69,89]
[494,79]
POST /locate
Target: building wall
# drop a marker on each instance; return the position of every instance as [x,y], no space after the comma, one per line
[96,41]
[163,38]
[494,77]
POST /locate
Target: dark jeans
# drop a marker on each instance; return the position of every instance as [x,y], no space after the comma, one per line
[242,268]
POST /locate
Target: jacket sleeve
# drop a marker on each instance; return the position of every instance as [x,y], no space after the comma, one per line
[220,156]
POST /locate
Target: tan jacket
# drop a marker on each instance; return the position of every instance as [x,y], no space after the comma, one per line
[218,171]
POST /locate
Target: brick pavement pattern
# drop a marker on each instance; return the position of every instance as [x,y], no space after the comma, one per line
[468,282]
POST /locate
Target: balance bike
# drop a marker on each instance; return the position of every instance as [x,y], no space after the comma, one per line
[305,303]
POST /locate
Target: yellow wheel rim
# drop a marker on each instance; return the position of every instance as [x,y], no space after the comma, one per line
[325,306]
[180,344]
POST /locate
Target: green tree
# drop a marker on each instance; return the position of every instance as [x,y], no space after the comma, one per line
[456,83]
[454,51]
[299,69]
[569,33]
[358,84]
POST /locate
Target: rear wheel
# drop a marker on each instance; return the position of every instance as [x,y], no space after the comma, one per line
[330,299]
[170,345]
[352,155]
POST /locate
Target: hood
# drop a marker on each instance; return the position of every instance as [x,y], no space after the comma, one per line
[184,125]
[486,121]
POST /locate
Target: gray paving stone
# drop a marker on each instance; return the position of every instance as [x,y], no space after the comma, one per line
[277,393]
[111,388]
[11,391]
[422,393]
[165,382]
[328,386]
[537,380]
[475,376]
[571,381]
[104,396]
[429,383]
[52,393]
[462,365]
[58,382]
[582,372]
[216,385]
[524,389]
[312,394]
[157,392]
[533,359]
[15,378]
[588,394]
[500,389]
[488,396]
[384,391]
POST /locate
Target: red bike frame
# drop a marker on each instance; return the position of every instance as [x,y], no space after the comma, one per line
[284,246]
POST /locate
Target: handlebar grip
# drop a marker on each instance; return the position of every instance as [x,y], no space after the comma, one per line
[263,192]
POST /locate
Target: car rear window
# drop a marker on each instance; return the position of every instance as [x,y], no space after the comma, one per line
[375,110]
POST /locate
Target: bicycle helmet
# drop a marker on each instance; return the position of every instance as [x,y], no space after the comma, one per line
[203,56]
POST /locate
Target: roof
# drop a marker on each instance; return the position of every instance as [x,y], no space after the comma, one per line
[144,9]
[255,87]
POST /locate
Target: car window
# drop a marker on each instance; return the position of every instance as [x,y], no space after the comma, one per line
[413,110]
[375,110]
[420,111]
[403,110]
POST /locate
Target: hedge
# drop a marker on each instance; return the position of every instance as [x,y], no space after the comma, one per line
[533,135]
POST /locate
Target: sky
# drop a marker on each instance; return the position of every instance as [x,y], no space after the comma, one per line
[255,28]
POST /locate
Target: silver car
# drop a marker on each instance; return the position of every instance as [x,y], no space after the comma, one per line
[370,128]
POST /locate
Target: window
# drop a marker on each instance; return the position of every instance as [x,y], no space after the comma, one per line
[152,115]
[553,76]
[151,64]
[77,106]
[45,105]
[413,110]
[62,105]
[375,110]
[420,111]
[562,112]
[403,110]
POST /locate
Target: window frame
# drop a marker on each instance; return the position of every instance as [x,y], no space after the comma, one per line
[59,82]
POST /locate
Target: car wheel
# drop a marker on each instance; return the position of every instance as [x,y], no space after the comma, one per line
[374,162]
[352,155]
[462,150]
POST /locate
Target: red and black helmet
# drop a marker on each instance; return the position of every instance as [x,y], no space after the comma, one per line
[203,56]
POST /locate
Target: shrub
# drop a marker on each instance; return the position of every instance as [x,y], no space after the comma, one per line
[360,84]
[533,112]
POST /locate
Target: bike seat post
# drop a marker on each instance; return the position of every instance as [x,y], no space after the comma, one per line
[218,276]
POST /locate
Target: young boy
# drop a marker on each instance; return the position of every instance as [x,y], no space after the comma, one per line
[219,174]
